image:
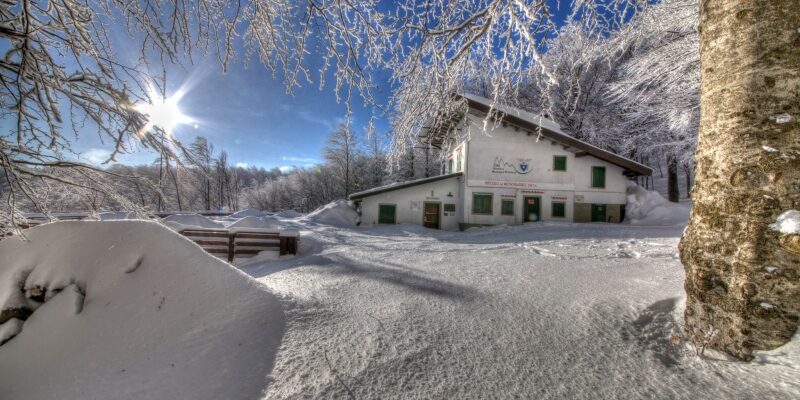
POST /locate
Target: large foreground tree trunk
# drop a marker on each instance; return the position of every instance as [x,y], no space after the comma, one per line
[742,277]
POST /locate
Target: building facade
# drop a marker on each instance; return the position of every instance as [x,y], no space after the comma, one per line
[522,169]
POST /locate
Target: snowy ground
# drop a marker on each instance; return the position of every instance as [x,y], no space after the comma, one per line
[535,311]
[543,310]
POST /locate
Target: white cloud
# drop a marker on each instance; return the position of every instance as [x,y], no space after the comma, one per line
[95,156]
[303,160]
[286,169]
[241,165]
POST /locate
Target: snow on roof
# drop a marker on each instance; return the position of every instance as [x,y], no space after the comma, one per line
[552,131]
[400,185]
[508,110]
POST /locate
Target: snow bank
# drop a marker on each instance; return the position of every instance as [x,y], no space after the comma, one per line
[288,214]
[117,215]
[255,222]
[179,221]
[336,213]
[788,223]
[650,208]
[129,309]
[250,212]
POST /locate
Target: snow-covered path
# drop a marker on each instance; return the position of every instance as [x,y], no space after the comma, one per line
[535,311]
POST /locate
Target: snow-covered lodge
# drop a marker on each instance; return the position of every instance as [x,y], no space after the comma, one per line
[523,169]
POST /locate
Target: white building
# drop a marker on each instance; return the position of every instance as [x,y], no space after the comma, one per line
[523,169]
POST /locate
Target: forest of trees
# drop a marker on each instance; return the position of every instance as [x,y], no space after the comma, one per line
[207,180]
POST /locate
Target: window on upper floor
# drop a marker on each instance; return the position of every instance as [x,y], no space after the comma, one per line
[598,177]
[559,163]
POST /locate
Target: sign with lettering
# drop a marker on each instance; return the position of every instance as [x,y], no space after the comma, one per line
[521,185]
[519,166]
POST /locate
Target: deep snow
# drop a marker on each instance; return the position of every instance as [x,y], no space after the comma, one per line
[543,310]
[132,310]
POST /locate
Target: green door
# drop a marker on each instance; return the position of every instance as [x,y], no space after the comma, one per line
[598,213]
[386,213]
[530,209]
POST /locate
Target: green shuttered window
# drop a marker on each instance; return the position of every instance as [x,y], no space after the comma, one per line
[507,207]
[559,209]
[559,163]
[482,203]
[387,213]
[598,177]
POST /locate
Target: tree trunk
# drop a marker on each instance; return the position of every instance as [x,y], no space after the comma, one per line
[741,275]
[688,175]
[673,192]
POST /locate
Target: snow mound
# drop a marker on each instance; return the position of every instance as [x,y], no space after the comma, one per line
[129,309]
[288,214]
[336,213]
[788,223]
[117,216]
[255,222]
[650,208]
[179,221]
[250,212]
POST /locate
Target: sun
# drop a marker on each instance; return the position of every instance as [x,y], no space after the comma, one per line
[163,112]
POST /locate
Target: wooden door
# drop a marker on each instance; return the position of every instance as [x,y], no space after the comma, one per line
[598,213]
[531,209]
[430,216]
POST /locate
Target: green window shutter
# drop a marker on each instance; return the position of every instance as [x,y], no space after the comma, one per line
[387,213]
[507,207]
[559,209]
[598,177]
[559,163]
[481,203]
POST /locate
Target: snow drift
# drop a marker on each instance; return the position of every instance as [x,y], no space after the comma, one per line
[129,309]
[336,213]
[250,212]
[288,214]
[650,208]
[117,215]
[255,222]
[180,221]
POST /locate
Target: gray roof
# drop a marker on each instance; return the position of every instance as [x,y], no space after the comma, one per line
[401,185]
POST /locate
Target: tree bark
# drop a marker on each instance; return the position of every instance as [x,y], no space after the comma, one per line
[741,275]
[673,192]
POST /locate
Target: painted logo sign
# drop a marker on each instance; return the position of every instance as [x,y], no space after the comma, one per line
[501,166]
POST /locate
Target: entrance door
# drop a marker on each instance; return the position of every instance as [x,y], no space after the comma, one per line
[598,213]
[530,209]
[430,217]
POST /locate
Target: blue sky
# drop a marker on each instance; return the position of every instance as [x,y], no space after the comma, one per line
[248,113]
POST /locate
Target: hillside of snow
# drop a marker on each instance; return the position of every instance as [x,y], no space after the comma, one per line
[129,310]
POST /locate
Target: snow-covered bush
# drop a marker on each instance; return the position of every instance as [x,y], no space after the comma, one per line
[646,207]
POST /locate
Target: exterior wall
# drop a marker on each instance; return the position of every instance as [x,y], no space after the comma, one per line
[410,201]
[508,162]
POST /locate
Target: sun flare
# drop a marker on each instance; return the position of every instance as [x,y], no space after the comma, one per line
[163,112]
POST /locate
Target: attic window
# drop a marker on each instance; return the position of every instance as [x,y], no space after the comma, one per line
[559,163]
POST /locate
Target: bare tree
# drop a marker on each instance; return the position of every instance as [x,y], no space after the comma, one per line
[340,152]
